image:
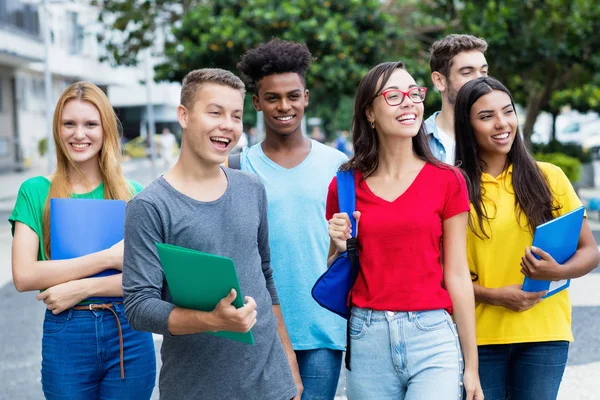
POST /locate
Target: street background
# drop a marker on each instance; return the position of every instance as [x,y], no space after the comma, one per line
[21,315]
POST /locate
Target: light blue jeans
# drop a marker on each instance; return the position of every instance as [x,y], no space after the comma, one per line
[404,355]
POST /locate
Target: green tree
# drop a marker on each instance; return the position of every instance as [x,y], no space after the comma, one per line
[132,26]
[536,47]
[582,98]
[346,37]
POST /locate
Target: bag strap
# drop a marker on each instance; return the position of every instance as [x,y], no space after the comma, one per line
[347,196]
[347,204]
[234,161]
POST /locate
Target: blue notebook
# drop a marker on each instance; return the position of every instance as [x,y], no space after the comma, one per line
[559,238]
[79,227]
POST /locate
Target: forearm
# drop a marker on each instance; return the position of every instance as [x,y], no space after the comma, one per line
[146,311]
[106,286]
[283,334]
[484,295]
[333,256]
[583,261]
[183,321]
[463,304]
[40,275]
[286,342]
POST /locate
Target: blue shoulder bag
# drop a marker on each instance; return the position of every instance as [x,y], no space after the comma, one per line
[333,289]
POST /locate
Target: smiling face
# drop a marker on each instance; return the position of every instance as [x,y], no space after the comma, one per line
[465,67]
[213,125]
[81,131]
[403,120]
[282,98]
[494,123]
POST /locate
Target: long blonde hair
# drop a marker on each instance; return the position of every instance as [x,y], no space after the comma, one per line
[115,184]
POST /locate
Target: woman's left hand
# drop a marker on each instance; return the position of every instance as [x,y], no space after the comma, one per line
[63,296]
[472,385]
[546,268]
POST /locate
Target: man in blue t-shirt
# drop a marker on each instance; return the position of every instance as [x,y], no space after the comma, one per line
[296,172]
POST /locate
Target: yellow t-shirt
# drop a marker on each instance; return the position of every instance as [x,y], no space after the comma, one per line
[496,261]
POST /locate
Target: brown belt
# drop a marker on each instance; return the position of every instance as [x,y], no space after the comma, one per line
[109,307]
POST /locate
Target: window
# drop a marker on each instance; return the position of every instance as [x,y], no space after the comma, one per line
[20,15]
[1,96]
[75,34]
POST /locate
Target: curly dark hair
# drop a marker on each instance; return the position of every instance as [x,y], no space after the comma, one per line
[274,57]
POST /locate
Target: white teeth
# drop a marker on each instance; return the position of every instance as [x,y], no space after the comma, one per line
[407,117]
[80,145]
[501,136]
[284,118]
[220,139]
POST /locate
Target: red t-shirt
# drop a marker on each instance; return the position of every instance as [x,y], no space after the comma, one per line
[399,241]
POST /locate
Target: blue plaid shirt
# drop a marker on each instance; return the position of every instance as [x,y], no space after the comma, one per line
[435,143]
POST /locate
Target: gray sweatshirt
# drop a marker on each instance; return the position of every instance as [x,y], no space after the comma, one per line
[203,366]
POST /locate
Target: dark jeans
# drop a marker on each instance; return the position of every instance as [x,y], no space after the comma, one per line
[80,357]
[522,371]
[320,372]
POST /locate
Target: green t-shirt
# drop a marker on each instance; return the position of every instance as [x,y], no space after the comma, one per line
[31,200]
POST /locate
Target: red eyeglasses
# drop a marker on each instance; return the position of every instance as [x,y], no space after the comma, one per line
[395,97]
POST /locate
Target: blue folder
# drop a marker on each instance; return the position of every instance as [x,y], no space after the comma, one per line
[79,227]
[559,238]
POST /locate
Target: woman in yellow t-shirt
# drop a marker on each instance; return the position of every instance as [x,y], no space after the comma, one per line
[523,339]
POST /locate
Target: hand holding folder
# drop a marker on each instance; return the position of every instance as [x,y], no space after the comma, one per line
[199,281]
[559,238]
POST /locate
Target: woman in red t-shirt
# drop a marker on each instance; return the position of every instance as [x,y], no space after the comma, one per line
[404,342]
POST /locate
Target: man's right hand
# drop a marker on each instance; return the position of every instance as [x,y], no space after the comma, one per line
[229,318]
[515,299]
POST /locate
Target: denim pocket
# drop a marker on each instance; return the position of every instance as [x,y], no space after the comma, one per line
[54,323]
[357,327]
[431,320]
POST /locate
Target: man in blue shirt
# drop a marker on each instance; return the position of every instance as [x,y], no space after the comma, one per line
[454,61]
[296,172]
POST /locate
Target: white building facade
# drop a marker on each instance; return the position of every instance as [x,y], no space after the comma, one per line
[73,56]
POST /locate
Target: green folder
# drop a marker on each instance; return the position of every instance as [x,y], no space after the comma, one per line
[198,281]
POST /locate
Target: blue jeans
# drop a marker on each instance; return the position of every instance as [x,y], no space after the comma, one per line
[81,360]
[522,371]
[320,372]
[404,355]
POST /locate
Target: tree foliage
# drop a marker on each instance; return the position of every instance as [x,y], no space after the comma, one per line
[536,47]
[346,37]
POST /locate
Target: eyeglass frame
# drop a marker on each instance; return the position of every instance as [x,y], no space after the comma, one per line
[404,95]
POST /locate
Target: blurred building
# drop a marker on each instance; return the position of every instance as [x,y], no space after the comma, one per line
[73,55]
[21,44]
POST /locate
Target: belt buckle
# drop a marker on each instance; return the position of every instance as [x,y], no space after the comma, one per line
[90,307]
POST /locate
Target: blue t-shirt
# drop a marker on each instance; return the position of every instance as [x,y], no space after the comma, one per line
[299,240]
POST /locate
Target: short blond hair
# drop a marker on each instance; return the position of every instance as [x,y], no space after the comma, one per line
[194,80]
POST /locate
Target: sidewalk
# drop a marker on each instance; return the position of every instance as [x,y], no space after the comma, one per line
[10,183]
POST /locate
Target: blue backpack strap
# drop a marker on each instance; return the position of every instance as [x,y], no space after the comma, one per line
[347,203]
[347,196]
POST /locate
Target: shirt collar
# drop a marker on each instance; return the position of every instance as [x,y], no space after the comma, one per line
[485,177]
[431,127]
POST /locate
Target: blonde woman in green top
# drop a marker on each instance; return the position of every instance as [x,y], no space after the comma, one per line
[87,344]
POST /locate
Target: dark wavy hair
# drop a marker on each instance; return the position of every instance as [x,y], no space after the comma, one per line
[532,193]
[274,57]
[364,137]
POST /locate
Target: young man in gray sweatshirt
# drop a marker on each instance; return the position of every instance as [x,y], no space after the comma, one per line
[202,206]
